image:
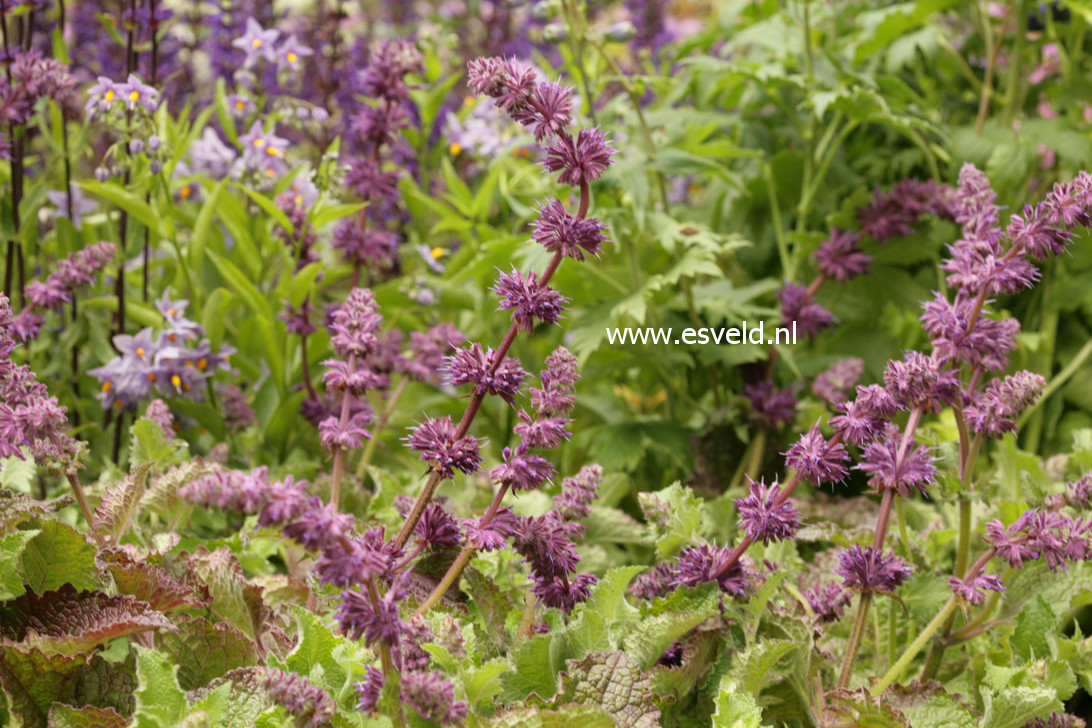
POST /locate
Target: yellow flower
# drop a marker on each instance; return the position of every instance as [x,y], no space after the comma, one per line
[437,253]
[455,149]
[291,57]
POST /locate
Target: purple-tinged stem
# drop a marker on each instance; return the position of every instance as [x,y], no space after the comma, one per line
[476,399]
[339,452]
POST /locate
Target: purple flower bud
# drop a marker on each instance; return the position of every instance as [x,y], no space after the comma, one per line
[870,569]
[522,471]
[544,433]
[309,704]
[433,697]
[558,385]
[699,565]
[772,407]
[437,529]
[370,689]
[492,534]
[578,492]
[319,527]
[994,410]
[355,324]
[832,384]
[828,601]
[548,110]
[377,623]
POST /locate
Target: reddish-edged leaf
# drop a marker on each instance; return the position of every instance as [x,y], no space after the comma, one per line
[65,716]
[17,507]
[71,622]
[150,582]
[33,681]
[234,598]
[204,651]
[115,513]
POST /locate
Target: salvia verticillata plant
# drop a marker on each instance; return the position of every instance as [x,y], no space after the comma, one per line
[305,419]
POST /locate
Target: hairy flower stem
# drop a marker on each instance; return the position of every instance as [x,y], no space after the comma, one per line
[883,519]
[456,568]
[389,670]
[930,629]
[476,399]
[339,452]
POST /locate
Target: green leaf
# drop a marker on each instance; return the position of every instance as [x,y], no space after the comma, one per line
[1035,624]
[930,707]
[603,619]
[202,228]
[160,702]
[57,555]
[676,516]
[268,207]
[17,473]
[491,603]
[241,285]
[763,663]
[1012,707]
[483,683]
[11,563]
[33,681]
[316,649]
[126,200]
[65,716]
[115,512]
[234,599]
[614,682]
[531,672]
[149,444]
[204,651]
[735,708]
[668,619]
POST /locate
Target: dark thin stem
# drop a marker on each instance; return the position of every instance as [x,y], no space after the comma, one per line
[339,452]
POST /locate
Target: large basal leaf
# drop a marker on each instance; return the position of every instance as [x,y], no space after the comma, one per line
[33,682]
[929,706]
[859,709]
[531,672]
[204,651]
[150,582]
[763,663]
[316,650]
[614,682]
[115,512]
[59,555]
[71,622]
[1012,707]
[601,621]
[492,604]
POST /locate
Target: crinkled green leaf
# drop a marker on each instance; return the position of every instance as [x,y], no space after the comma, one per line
[605,525]
[735,708]
[17,473]
[860,709]
[482,683]
[18,507]
[316,649]
[1012,707]
[614,682]
[33,681]
[71,622]
[668,619]
[160,701]
[204,651]
[149,444]
[1035,623]
[531,673]
[602,620]
[247,696]
[929,706]
[763,663]
[60,555]
[674,514]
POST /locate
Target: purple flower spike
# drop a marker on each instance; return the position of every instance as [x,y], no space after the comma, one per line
[475,366]
[840,258]
[581,160]
[832,384]
[433,696]
[915,470]
[522,471]
[798,308]
[817,460]
[763,518]
[994,410]
[370,689]
[870,569]
[558,385]
[772,407]
[494,534]
[437,529]
[548,110]
[828,601]
[379,622]
[436,441]
[528,300]
[558,230]
[355,324]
